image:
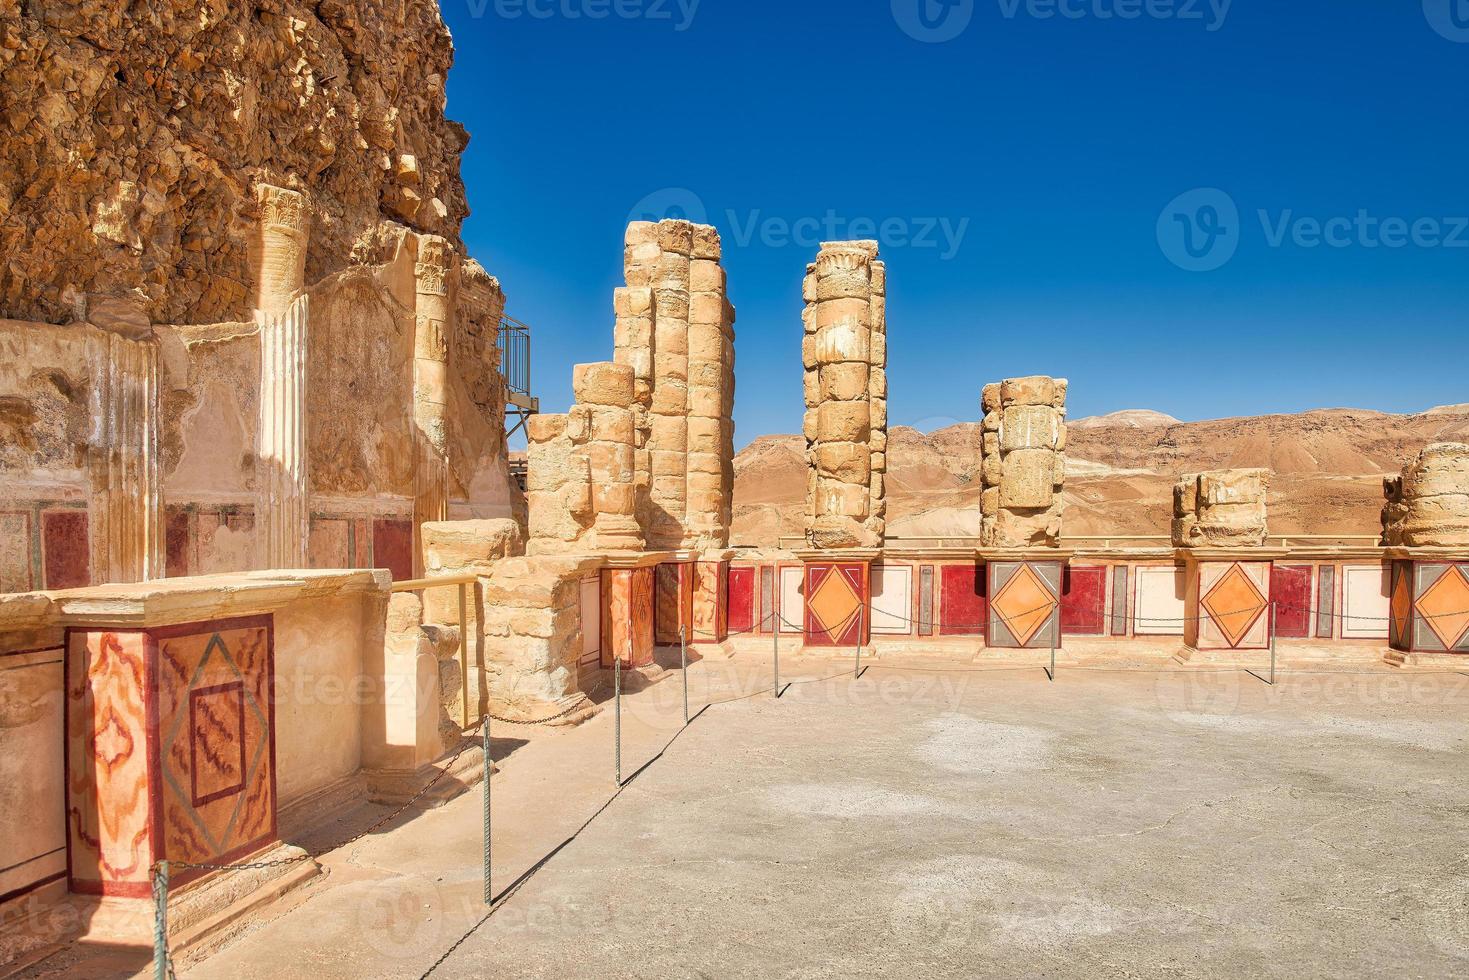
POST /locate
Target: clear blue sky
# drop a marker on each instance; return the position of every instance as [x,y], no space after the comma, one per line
[1060,141]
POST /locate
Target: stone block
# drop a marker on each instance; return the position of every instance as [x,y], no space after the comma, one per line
[844,461]
[1029,479]
[1028,427]
[845,382]
[1034,390]
[844,421]
[603,383]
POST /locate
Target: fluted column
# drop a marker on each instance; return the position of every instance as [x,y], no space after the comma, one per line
[126,498]
[434,277]
[282,511]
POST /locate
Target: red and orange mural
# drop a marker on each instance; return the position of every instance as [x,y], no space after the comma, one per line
[170,749]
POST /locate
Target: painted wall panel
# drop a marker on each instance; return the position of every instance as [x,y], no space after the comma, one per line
[963,602]
[1291,587]
[892,600]
[925,600]
[741,599]
[1161,601]
[392,547]
[1366,602]
[792,602]
[1120,595]
[15,553]
[33,848]
[591,618]
[65,550]
[1326,602]
[1084,602]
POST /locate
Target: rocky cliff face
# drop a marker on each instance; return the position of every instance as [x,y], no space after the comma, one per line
[131,135]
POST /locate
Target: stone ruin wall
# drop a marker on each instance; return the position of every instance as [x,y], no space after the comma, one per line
[1023,463]
[272,351]
[645,457]
[844,353]
[1428,505]
[137,133]
[1221,509]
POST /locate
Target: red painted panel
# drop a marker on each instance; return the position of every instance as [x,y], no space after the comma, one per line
[177,541]
[741,602]
[1084,602]
[964,600]
[64,549]
[1290,590]
[392,547]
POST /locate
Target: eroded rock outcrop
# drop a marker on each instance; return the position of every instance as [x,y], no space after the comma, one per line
[134,137]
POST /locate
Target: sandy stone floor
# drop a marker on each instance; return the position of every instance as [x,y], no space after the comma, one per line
[1183,823]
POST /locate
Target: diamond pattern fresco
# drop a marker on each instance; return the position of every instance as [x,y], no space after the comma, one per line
[835,598]
[1024,604]
[1235,604]
[1444,607]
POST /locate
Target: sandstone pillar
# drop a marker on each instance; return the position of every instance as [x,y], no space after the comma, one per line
[126,495]
[558,485]
[844,353]
[1219,524]
[1428,505]
[1024,462]
[668,424]
[1221,508]
[1426,526]
[710,428]
[434,281]
[282,510]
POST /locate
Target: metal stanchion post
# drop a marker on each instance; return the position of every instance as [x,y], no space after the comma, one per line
[1055,628]
[617,717]
[1272,644]
[857,662]
[775,653]
[489,768]
[683,655]
[160,921]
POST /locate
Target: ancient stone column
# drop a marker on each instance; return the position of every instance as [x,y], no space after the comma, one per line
[1221,508]
[1024,462]
[711,326]
[605,396]
[844,354]
[434,281]
[126,494]
[282,511]
[668,424]
[675,329]
[282,315]
[1428,506]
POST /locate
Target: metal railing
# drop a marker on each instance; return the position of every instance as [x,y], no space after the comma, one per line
[463,584]
[514,343]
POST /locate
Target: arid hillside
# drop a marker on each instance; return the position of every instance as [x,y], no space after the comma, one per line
[1328,467]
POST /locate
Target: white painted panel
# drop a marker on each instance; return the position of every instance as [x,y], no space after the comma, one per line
[792,603]
[1366,601]
[591,618]
[892,599]
[1161,601]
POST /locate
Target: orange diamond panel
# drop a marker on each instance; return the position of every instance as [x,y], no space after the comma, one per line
[1402,605]
[1234,604]
[1024,604]
[1445,607]
[834,604]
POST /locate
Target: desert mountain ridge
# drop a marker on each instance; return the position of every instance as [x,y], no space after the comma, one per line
[1328,466]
